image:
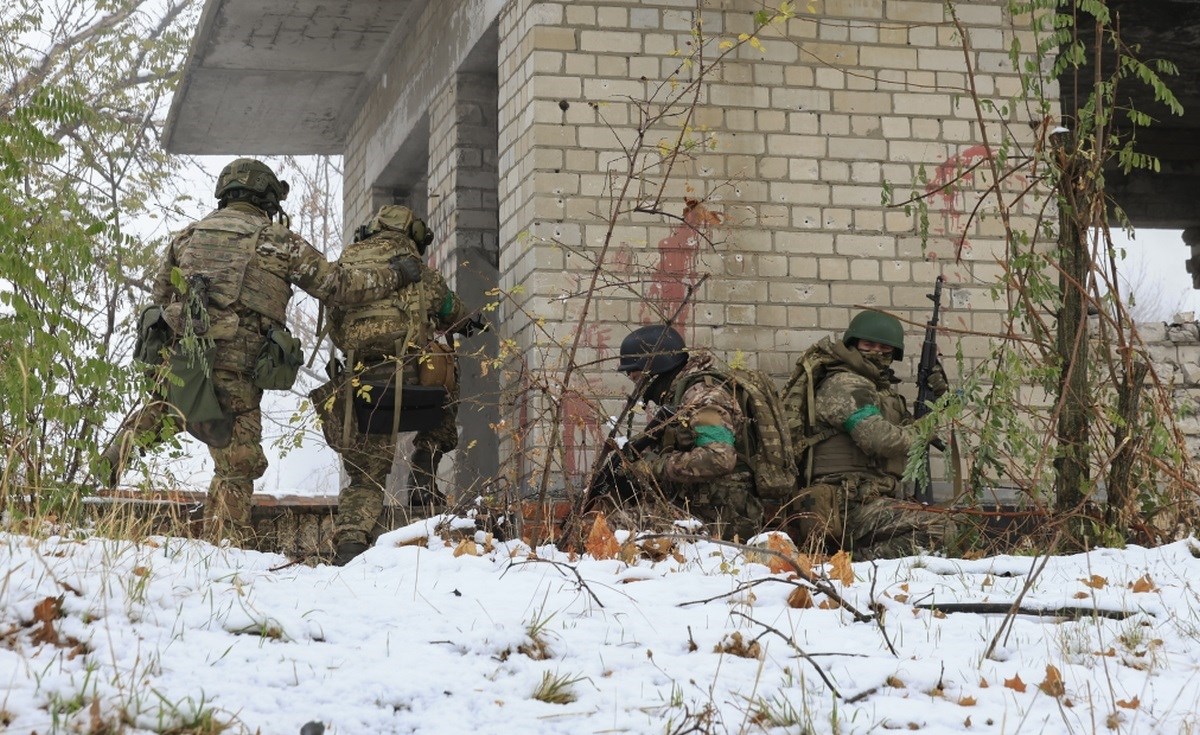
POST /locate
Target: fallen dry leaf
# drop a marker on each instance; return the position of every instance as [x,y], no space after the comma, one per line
[840,568]
[1015,683]
[466,547]
[601,543]
[658,548]
[1081,595]
[983,683]
[800,599]
[900,598]
[46,612]
[828,605]
[1129,703]
[735,645]
[966,702]
[895,683]
[1143,584]
[939,614]
[140,571]
[1096,582]
[1053,683]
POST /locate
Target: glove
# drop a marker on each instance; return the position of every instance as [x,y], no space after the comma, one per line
[408,267]
[648,471]
[474,326]
[937,381]
[420,234]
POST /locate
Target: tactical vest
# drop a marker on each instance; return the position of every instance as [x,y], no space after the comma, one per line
[839,454]
[376,327]
[223,247]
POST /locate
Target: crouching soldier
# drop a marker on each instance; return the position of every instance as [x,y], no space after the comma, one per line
[853,439]
[690,455]
[396,336]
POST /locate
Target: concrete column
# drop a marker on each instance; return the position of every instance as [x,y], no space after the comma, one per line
[462,210]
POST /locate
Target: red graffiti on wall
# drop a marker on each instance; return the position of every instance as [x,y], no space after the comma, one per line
[676,270]
[947,190]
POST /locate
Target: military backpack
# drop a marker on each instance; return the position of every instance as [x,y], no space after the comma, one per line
[799,405]
[764,444]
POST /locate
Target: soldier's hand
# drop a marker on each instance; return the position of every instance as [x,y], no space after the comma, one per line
[474,326]
[647,471]
[420,233]
[937,381]
[408,267]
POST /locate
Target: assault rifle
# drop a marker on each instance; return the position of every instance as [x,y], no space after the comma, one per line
[929,360]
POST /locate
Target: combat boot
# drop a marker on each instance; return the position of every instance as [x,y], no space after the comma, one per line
[347,550]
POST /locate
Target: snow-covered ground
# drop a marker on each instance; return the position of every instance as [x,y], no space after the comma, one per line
[424,634]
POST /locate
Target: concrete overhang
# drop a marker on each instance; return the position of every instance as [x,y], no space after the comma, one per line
[273,77]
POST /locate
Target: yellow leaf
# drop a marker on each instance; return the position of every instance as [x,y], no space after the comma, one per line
[1015,683]
[743,37]
[1053,683]
[1096,582]
[1129,703]
[725,45]
[757,44]
[466,547]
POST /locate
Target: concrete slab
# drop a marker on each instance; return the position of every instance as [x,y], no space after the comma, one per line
[279,76]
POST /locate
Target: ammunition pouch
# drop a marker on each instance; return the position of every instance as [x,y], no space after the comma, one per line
[153,335]
[436,367]
[278,361]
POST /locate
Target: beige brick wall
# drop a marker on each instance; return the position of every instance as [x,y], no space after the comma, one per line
[796,143]
[802,138]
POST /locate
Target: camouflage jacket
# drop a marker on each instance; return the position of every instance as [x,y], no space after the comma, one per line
[250,264]
[697,445]
[858,404]
[414,313]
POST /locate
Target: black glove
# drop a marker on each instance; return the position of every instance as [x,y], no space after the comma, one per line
[474,326]
[408,267]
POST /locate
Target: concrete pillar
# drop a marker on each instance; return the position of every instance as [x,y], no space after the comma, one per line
[463,213]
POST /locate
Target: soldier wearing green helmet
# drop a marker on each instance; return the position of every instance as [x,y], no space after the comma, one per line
[858,444]
[220,300]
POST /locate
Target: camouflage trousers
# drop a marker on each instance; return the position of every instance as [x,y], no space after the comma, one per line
[859,514]
[728,506]
[368,460]
[236,467]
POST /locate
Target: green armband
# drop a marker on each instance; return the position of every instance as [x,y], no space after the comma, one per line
[706,435]
[859,416]
[447,306]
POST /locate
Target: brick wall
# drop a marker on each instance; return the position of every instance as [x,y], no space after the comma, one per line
[798,141]
[794,146]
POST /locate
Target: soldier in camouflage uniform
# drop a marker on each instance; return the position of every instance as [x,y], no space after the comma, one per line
[691,458]
[250,263]
[406,322]
[853,501]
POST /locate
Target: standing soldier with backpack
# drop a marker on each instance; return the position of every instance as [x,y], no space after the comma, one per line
[393,336]
[220,308]
[852,439]
[698,456]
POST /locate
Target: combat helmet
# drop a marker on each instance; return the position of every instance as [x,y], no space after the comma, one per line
[401,219]
[876,327]
[252,175]
[654,348]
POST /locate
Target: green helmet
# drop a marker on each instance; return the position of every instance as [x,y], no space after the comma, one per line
[252,174]
[878,327]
